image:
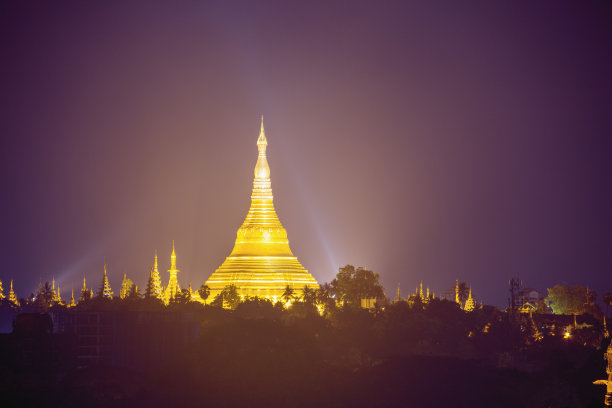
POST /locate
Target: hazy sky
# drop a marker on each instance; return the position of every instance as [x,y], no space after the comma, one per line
[428,141]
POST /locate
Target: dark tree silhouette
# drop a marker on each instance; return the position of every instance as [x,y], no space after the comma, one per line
[324,297]
[133,293]
[149,289]
[85,295]
[45,297]
[288,295]
[228,298]
[257,308]
[353,284]
[464,292]
[182,297]
[563,299]
[204,292]
[309,295]
[607,299]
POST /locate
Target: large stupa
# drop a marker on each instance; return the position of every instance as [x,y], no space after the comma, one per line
[261,263]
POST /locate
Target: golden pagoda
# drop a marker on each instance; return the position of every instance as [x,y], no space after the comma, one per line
[12,296]
[154,287]
[84,292]
[72,302]
[105,290]
[55,297]
[261,263]
[470,305]
[173,285]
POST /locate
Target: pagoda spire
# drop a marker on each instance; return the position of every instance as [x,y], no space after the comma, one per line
[72,302]
[126,286]
[105,289]
[157,286]
[469,303]
[154,287]
[172,257]
[262,169]
[12,296]
[262,135]
[54,290]
[457,293]
[173,285]
[85,295]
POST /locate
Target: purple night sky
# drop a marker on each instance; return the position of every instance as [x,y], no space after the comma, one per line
[429,142]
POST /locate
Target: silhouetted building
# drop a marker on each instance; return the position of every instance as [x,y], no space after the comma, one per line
[528,295]
[125,338]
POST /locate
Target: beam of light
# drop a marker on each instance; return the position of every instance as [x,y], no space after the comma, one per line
[67,277]
[93,258]
[305,197]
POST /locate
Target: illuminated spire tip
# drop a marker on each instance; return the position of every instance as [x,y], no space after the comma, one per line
[262,141]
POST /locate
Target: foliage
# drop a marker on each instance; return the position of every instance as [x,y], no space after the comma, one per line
[607,300]
[437,327]
[85,295]
[228,298]
[46,296]
[415,301]
[464,292]
[181,297]
[541,307]
[258,308]
[133,293]
[288,295]
[349,356]
[353,284]
[563,299]
[309,295]
[204,292]
[217,301]
[126,286]
[153,288]
[325,298]
[303,310]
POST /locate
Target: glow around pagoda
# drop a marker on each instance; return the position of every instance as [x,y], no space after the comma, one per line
[261,263]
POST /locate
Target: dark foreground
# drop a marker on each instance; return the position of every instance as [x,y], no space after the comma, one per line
[263,357]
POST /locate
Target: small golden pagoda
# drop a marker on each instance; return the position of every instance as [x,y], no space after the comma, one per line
[261,263]
[12,296]
[173,285]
